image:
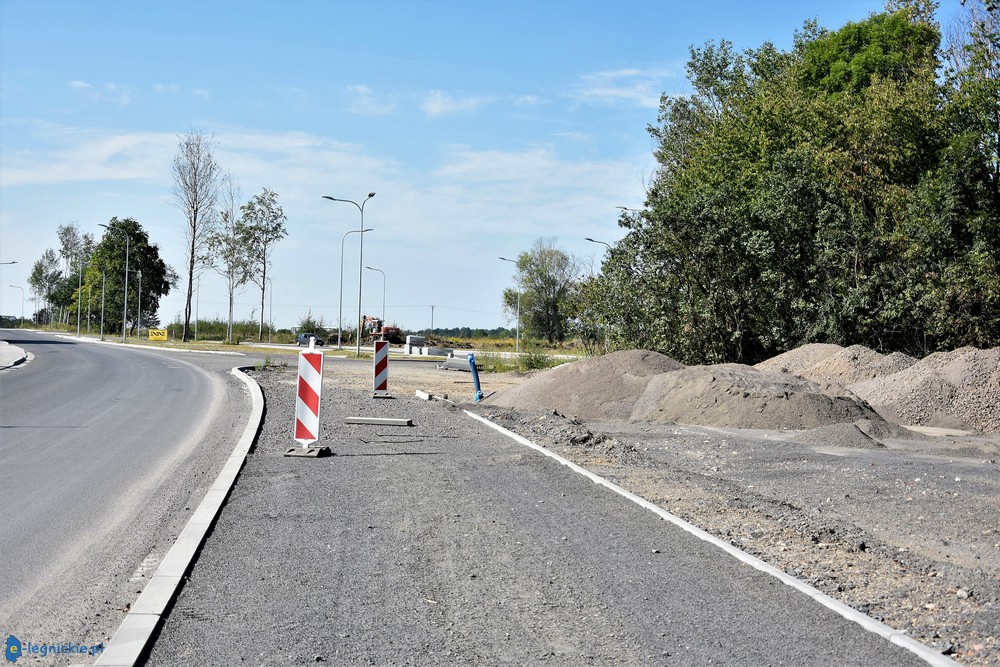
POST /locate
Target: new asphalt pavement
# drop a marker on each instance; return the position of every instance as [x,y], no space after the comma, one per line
[446,542]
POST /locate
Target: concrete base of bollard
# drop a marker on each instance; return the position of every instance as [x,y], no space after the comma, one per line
[309,452]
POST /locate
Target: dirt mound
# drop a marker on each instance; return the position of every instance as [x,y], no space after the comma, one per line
[838,435]
[958,389]
[800,359]
[856,363]
[604,387]
[738,396]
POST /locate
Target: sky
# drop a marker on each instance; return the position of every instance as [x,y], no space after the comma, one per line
[481,126]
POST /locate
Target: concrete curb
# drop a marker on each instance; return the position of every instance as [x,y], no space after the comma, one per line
[901,639]
[132,637]
[11,355]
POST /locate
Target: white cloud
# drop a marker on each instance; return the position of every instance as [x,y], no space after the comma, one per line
[366,102]
[201,92]
[529,101]
[166,88]
[635,87]
[88,156]
[79,85]
[439,103]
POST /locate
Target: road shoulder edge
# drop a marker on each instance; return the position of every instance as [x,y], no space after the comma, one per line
[130,641]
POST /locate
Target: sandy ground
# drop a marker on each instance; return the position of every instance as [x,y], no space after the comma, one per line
[897,523]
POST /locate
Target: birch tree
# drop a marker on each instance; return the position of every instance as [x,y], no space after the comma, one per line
[229,248]
[197,179]
[263,226]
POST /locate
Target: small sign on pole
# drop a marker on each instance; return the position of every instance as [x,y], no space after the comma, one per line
[380,370]
[308,393]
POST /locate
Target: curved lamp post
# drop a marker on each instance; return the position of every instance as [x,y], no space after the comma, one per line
[22,302]
[125,309]
[340,311]
[517,337]
[361,254]
[587,238]
[371,268]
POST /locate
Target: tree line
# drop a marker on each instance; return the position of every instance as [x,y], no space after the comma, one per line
[845,191]
[123,272]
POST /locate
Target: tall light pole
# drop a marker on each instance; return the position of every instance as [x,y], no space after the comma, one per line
[103,276]
[517,337]
[79,288]
[125,309]
[587,238]
[22,300]
[340,312]
[371,268]
[197,300]
[361,254]
[138,310]
[270,309]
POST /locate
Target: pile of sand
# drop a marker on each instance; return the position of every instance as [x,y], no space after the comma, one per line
[800,359]
[640,385]
[839,435]
[604,387]
[855,364]
[813,386]
[958,389]
[738,396]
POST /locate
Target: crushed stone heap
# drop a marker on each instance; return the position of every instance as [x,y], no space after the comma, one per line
[739,396]
[958,389]
[604,387]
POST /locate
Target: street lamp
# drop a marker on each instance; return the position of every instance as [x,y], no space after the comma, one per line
[138,310]
[270,309]
[125,309]
[22,299]
[79,288]
[361,254]
[517,336]
[587,238]
[103,277]
[371,268]
[340,312]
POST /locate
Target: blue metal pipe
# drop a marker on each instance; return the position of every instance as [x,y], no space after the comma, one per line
[475,377]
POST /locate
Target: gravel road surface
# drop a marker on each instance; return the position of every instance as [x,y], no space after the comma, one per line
[448,543]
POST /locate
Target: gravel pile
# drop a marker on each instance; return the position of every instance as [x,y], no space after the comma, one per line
[800,359]
[738,396]
[605,387]
[958,389]
[856,364]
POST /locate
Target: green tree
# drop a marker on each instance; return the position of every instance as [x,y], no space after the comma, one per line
[831,193]
[157,278]
[43,281]
[546,280]
[229,252]
[263,225]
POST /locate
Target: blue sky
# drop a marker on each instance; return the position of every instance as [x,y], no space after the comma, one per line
[481,126]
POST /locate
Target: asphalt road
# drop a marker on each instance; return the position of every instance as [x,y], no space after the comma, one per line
[104,451]
[448,543]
